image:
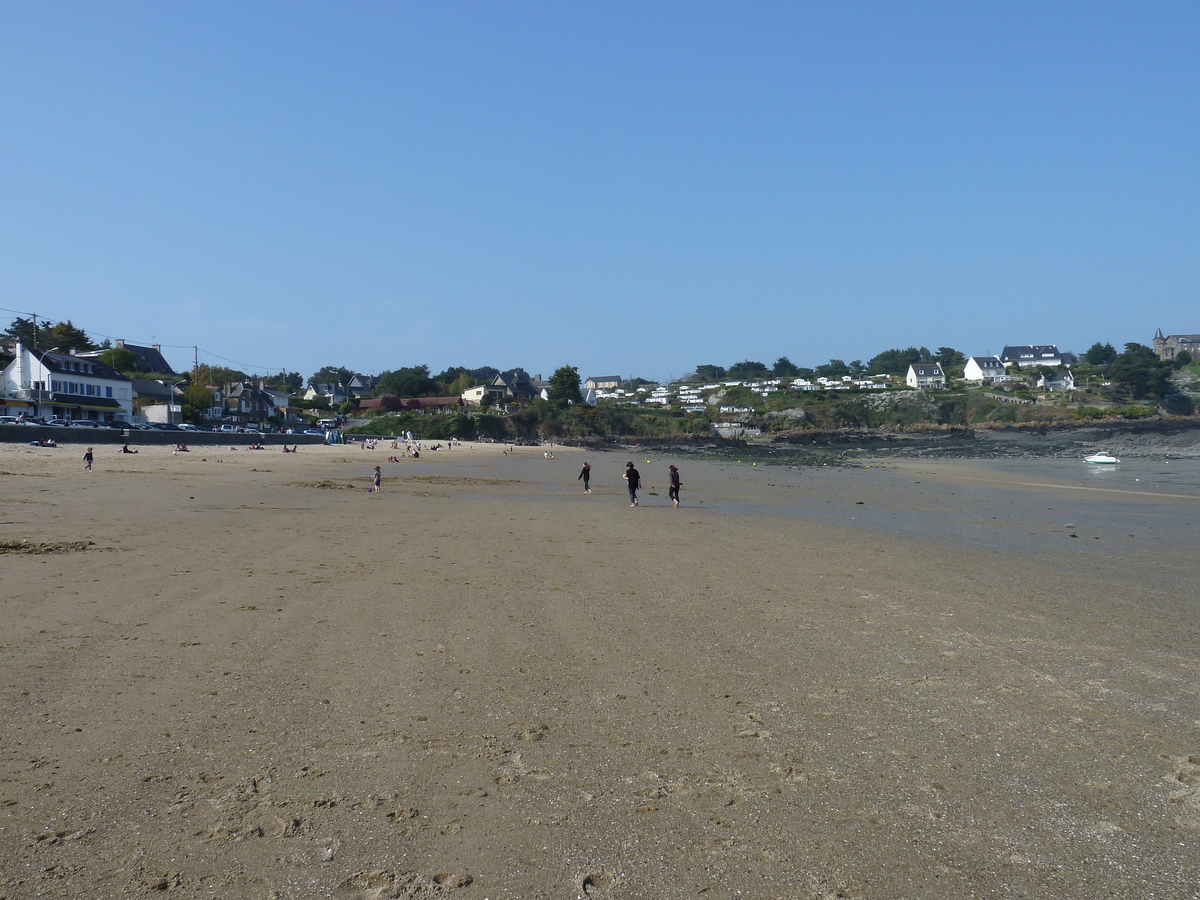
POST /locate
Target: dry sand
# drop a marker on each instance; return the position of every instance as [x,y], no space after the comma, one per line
[237,674]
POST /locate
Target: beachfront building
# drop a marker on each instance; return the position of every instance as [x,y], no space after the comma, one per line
[1167,347]
[985,369]
[413,404]
[65,386]
[246,404]
[925,376]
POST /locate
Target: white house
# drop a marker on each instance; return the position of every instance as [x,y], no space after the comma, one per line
[987,369]
[1062,380]
[925,375]
[65,386]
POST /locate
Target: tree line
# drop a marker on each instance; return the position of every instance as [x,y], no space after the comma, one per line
[1137,371]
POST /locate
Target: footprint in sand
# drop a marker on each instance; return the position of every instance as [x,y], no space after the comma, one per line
[1184,782]
[384,885]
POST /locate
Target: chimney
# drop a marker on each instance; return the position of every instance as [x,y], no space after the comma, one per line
[120,343]
[157,348]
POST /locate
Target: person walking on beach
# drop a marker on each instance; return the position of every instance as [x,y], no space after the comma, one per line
[673,489]
[375,479]
[585,475]
[634,481]
[87,460]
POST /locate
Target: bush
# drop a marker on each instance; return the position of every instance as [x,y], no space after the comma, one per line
[1137,412]
[1179,404]
[1089,412]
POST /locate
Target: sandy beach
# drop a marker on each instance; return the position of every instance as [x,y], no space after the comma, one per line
[238,674]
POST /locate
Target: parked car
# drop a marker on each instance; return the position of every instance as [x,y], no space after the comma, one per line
[9,420]
[187,426]
[59,423]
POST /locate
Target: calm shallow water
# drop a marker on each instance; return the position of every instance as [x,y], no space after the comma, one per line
[1148,509]
[1175,476]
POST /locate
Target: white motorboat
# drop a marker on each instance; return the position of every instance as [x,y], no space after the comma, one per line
[1102,459]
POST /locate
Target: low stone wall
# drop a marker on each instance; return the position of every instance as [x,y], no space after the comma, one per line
[25,434]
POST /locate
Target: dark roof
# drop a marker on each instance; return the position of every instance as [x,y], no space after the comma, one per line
[515,384]
[60,399]
[149,359]
[152,387]
[68,364]
[1029,352]
[928,369]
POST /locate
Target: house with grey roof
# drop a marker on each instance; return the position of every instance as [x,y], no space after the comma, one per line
[334,393]
[602,382]
[1167,347]
[516,388]
[66,386]
[985,369]
[925,376]
[1061,380]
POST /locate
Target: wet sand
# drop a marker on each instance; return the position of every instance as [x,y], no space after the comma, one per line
[917,680]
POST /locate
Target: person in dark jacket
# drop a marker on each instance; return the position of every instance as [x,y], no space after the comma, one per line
[585,476]
[673,489]
[634,479]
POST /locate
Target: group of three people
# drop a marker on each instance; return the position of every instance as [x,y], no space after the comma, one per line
[633,480]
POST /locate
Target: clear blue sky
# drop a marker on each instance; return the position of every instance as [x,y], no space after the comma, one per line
[631,188]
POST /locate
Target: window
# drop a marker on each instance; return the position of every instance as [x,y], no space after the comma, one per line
[108,392]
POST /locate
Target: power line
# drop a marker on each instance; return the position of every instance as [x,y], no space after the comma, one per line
[245,365]
[101,334]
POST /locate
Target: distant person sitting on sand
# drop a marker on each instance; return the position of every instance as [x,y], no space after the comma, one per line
[181,448]
[126,449]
